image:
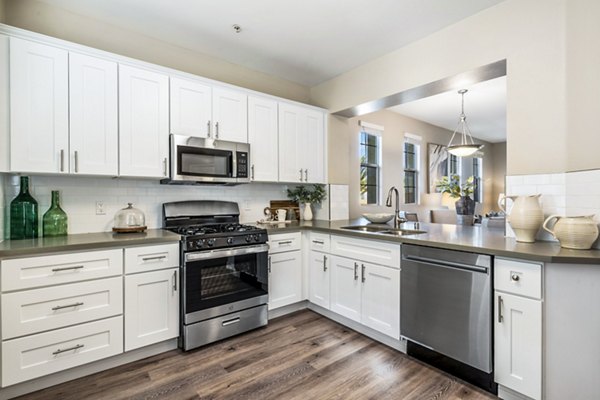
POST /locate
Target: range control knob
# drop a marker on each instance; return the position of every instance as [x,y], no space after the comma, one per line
[248,238]
[229,240]
[199,243]
[210,242]
[255,237]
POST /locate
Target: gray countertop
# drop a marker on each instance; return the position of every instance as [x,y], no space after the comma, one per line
[476,238]
[86,241]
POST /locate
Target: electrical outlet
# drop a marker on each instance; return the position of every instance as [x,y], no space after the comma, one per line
[100,208]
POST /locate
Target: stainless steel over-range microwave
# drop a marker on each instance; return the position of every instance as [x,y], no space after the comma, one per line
[205,160]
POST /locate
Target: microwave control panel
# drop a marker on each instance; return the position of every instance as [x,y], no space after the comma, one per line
[242,164]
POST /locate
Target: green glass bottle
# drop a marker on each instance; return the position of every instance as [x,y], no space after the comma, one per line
[54,222]
[24,214]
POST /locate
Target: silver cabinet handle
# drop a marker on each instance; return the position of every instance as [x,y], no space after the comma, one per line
[208,128]
[362,271]
[154,258]
[174,281]
[300,174]
[62,160]
[500,305]
[165,166]
[318,242]
[306,175]
[216,130]
[514,277]
[355,271]
[324,263]
[231,321]
[67,268]
[76,156]
[67,306]
[252,171]
[285,242]
[76,347]
[269,264]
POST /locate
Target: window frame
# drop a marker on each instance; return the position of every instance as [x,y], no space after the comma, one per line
[377,132]
[415,141]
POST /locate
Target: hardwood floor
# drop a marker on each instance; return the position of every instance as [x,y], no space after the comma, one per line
[299,356]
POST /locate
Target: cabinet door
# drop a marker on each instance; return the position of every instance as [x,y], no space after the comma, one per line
[262,136]
[151,307]
[191,108]
[318,265]
[314,147]
[291,143]
[518,344]
[381,299]
[143,122]
[346,287]
[230,115]
[285,279]
[39,108]
[93,107]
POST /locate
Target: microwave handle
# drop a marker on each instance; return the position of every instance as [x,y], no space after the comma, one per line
[234,170]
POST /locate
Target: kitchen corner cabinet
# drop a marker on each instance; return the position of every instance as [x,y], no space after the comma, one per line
[301,144]
[39,107]
[262,136]
[285,270]
[518,326]
[143,123]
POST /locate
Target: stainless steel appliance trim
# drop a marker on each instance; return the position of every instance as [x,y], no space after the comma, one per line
[221,327]
[213,312]
[205,255]
[447,264]
[234,170]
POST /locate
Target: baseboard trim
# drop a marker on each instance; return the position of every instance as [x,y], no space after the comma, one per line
[509,394]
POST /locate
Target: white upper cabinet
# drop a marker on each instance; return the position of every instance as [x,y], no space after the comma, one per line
[230,115]
[143,122]
[191,108]
[39,111]
[93,117]
[301,144]
[262,136]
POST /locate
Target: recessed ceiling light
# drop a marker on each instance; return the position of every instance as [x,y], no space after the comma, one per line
[237,28]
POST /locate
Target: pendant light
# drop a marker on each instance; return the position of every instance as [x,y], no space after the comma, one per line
[467,147]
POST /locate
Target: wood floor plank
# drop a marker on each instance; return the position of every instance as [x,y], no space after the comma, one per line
[301,356]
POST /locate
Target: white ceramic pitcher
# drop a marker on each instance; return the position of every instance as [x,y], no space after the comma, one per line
[578,232]
[526,216]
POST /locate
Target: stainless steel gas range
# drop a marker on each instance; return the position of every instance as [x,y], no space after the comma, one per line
[224,271]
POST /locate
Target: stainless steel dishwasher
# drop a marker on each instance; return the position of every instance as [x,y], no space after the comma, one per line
[446,309]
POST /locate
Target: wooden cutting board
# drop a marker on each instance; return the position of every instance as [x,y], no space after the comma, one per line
[288,205]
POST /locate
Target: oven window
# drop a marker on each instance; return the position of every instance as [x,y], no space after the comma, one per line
[204,162]
[210,283]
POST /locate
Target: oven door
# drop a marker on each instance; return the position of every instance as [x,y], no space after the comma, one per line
[215,281]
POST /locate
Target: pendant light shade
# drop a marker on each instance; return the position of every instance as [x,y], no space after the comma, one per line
[467,146]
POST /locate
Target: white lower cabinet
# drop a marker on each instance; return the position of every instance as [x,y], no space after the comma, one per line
[345,287]
[285,279]
[151,307]
[319,265]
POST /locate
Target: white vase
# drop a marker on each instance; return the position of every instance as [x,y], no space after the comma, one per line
[578,232]
[526,216]
[307,215]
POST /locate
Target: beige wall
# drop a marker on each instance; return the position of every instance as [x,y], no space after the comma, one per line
[54,21]
[1,11]
[345,166]
[529,34]
[498,152]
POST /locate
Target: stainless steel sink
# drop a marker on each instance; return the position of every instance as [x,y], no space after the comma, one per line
[366,228]
[384,230]
[401,232]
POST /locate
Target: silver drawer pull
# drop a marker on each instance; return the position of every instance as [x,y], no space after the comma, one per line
[67,268]
[154,258]
[355,271]
[362,271]
[318,242]
[76,347]
[324,263]
[67,306]
[284,243]
[515,278]
[231,321]
[500,305]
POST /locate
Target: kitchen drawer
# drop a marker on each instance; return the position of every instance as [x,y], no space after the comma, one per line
[366,250]
[518,277]
[284,242]
[151,258]
[27,273]
[37,310]
[319,242]
[45,353]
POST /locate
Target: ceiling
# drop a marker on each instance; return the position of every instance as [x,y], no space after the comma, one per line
[485,108]
[306,41]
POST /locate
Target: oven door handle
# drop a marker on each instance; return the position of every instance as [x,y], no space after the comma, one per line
[206,255]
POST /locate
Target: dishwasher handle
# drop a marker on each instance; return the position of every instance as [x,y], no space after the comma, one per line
[446,264]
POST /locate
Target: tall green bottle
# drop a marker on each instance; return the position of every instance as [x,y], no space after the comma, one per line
[24,214]
[54,222]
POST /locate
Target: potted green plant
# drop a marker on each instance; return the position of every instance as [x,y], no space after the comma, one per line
[465,205]
[308,196]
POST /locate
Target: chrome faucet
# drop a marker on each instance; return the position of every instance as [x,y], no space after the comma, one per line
[388,203]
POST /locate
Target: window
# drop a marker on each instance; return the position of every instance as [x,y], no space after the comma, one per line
[370,164]
[411,171]
[453,165]
[477,174]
